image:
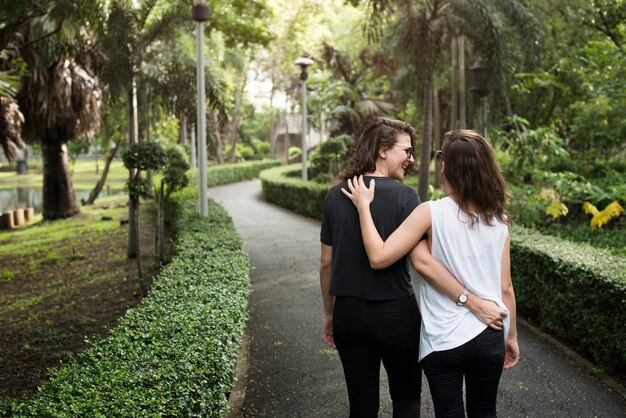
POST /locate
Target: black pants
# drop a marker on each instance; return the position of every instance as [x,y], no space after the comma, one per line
[366,332]
[480,360]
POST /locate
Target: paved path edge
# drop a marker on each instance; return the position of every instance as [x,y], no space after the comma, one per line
[240,382]
[580,361]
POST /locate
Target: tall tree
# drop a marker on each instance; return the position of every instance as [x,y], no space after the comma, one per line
[419,29]
[59,93]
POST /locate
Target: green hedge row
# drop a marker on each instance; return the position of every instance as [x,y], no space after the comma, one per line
[574,291]
[283,187]
[231,173]
[175,353]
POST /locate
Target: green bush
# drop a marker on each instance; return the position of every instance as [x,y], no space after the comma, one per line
[574,291]
[231,173]
[283,187]
[175,353]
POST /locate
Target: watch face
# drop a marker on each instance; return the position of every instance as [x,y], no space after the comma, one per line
[462,298]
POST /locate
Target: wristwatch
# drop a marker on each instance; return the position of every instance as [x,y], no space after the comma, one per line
[462,297]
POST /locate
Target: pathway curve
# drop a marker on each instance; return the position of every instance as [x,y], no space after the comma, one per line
[293,374]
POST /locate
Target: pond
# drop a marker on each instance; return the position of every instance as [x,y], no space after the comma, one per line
[30,197]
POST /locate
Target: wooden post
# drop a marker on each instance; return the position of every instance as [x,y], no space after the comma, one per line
[29,214]
[6,220]
[18,217]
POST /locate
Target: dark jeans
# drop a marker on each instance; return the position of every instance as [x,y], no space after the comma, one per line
[480,360]
[367,332]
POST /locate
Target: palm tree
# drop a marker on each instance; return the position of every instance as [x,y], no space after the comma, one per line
[351,86]
[61,102]
[11,122]
[422,27]
[58,93]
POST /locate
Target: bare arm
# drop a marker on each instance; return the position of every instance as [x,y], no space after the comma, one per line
[438,276]
[512,352]
[328,300]
[384,253]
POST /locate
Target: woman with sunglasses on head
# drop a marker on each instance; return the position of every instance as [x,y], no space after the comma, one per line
[468,232]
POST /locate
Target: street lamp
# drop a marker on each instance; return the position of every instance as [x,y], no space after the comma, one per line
[200,13]
[479,84]
[304,63]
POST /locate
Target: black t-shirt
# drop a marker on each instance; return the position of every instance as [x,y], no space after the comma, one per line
[351,271]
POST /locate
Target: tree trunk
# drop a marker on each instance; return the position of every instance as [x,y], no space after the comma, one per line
[462,104]
[272,135]
[437,126]
[132,138]
[236,116]
[287,140]
[59,200]
[183,129]
[454,99]
[93,195]
[425,158]
[215,129]
[160,227]
[149,139]
[194,148]
[134,208]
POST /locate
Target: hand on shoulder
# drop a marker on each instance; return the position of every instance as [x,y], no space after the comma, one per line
[360,195]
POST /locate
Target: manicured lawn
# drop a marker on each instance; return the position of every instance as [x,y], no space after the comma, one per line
[64,283]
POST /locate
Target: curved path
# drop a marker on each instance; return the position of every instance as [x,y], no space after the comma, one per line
[292,372]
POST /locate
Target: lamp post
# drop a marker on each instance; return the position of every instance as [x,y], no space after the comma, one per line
[479,84]
[304,63]
[200,13]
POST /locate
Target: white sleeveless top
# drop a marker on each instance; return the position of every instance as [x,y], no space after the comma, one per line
[473,254]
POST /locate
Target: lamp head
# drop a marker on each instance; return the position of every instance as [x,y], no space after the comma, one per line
[304,63]
[199,11]
[479,77]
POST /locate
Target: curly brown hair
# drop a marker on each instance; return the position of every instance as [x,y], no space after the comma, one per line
[471,168]
[379,135]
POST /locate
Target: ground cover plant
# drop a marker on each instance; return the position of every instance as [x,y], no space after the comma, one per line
[63,284]
[175,353]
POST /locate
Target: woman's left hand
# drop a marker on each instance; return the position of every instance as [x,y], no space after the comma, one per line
[511,353]
[359,193]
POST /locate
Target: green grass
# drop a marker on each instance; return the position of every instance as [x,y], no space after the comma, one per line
[56,246]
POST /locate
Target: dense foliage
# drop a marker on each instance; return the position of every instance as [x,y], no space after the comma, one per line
[230,173]
[284,187]
[174,354]
[573,291]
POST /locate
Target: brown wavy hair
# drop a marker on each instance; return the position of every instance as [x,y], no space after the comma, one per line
[471,168]
[381,134]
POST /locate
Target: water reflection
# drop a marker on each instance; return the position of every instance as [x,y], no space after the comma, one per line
[28,197]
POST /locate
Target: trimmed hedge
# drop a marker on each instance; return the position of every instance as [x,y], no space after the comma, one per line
[283,187]
[574,291]
[175,353]
[231,173]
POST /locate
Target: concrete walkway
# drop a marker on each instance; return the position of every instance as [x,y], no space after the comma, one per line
[293,373]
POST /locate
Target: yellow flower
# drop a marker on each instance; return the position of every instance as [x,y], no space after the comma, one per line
[556,209]
[590,209]
[613,210]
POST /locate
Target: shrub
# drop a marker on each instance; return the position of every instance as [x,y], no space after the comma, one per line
[175,353]
[230,173]
[283,187]
[573,291]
